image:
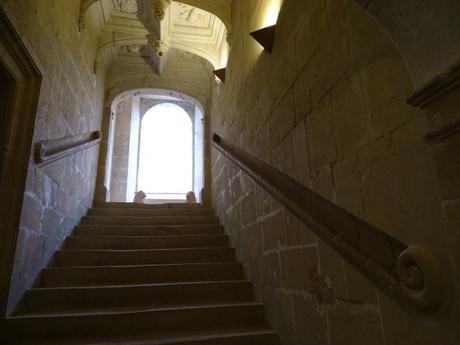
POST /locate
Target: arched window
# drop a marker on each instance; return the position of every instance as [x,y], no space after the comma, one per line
[166,153]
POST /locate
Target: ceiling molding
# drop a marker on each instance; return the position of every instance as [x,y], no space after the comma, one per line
[220,8]
[123,23]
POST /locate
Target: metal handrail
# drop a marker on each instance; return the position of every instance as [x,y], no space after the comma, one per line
[408,274]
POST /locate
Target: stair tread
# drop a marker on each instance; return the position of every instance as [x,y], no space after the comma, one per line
[136,205]
[146,265]
[126,286]
[132,309]
[151,226]
[186,338]
[135,311]
[144,250]
[152,216]
[196,337]
[128,276]
[149,236]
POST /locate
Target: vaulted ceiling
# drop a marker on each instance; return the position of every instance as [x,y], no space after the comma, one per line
[149,28]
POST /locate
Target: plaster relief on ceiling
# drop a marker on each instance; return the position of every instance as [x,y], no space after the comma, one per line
[160,47]
[159,8]
[186,15]
[132,49]
[125,6]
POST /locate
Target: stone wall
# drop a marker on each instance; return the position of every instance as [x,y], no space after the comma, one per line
[327,107]
[58,194]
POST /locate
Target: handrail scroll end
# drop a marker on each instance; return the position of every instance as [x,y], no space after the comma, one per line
[424,286]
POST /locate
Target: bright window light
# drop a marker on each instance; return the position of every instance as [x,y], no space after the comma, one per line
[272,11]
[166,153]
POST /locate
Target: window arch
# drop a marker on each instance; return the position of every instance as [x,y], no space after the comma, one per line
[165,167]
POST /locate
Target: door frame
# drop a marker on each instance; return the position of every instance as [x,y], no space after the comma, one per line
[24,89]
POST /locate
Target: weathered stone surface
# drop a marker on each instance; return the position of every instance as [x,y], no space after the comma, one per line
[282,120]
[347,181]
[248,208]
[389,110]
[271,270]
[353,324]
[300,154]
[302,93]
[311,34]
[296,265]
[448,165]
[274,231]
[350,118]
[310,324]
[412,216]
[297,233]
[333,270]
[359,288]
[322,147]
[282,313]
[32,213]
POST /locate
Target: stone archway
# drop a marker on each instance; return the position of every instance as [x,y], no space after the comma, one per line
[426,32]
[150,98]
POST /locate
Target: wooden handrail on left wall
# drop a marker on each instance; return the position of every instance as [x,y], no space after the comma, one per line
[47,151]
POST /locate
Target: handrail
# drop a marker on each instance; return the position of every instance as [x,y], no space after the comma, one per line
[47,151]
[408,274]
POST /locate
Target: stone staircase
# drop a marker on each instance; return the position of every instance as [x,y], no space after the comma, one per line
[145,275]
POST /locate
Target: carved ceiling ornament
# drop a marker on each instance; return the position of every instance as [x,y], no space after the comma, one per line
[125,6]
[159,8]
[140,8]
[132,49]
[160,47]
[191,16]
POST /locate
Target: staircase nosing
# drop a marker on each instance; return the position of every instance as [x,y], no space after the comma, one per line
[99,235]
[148,265]
[127,286]
[144,250]
[140,310]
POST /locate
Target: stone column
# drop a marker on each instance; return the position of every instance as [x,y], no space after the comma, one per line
[206,197]
[100,194]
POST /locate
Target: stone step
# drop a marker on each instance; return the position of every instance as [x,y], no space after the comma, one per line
[145,212]
[157,322]
[117,205]
[145,242]
[260,336]
[157,220]
[75,299]
[139,274]
[254,336]
[142,257]
[145,230]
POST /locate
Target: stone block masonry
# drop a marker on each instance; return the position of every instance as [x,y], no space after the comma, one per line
[57,194]
[327,107]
